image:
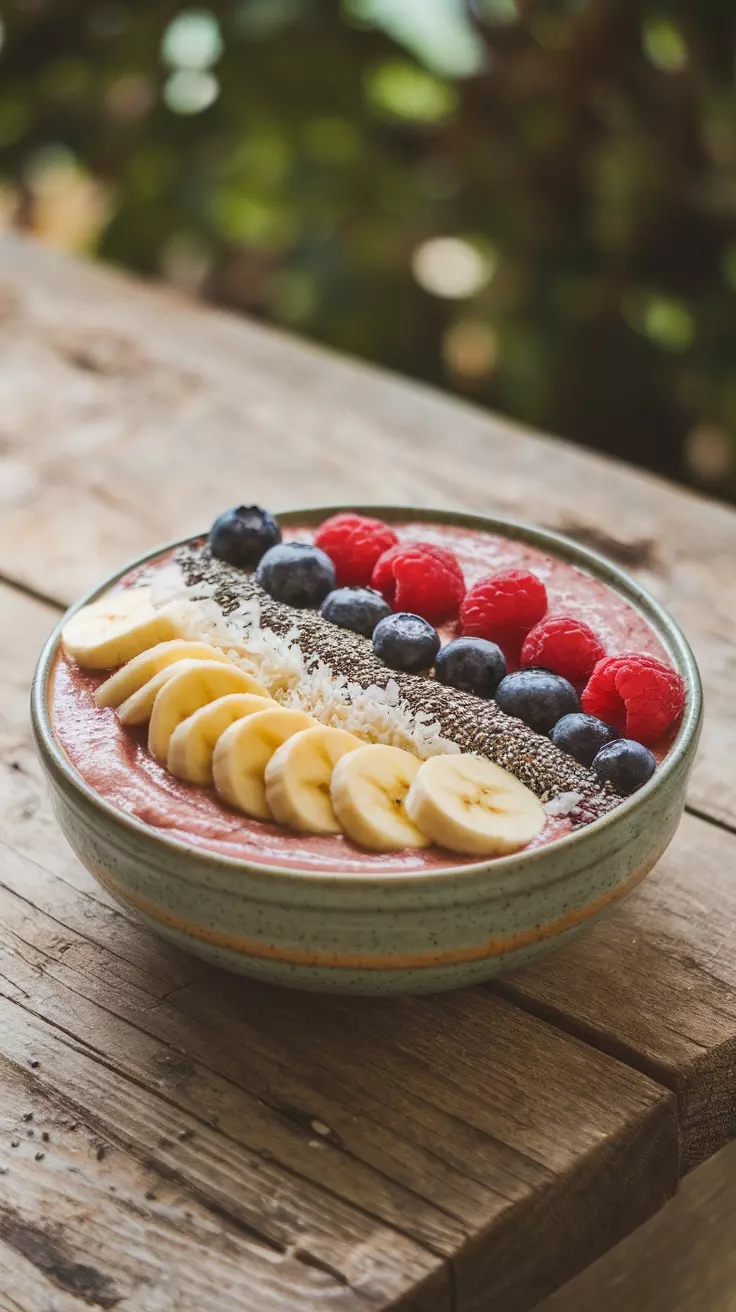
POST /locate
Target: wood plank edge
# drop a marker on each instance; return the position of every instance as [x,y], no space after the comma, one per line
[691,1090]
[587,1224]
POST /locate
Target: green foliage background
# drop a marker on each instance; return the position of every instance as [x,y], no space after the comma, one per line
[585,151]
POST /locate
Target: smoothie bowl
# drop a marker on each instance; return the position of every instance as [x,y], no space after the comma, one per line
[369,751]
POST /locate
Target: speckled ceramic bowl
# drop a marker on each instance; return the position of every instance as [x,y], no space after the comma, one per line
[389,933]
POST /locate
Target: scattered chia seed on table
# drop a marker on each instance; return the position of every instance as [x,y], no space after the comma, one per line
[476,725]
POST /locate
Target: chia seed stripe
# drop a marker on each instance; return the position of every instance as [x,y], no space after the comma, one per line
[476,725]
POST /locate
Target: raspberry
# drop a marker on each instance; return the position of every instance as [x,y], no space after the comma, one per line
[421,578]
[564,645]
[504,608]
[636,693]
[354,543]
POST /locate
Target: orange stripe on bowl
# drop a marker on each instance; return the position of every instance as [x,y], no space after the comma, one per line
[296,956]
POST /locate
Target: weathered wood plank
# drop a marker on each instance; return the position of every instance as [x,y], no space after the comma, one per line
[283,1212]
[684,1260]
[654,983]
[93,1221]
[152,410]
[454,1126]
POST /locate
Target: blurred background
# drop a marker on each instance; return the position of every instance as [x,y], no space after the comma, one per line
[530,203]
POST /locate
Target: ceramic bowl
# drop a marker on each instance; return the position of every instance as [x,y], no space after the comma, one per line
[385,933]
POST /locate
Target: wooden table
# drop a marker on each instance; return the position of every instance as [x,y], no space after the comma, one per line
[175,1138]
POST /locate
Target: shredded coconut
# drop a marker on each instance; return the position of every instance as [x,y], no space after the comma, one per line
[563,803]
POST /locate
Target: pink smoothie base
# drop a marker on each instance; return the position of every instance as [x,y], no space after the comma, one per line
[115,761]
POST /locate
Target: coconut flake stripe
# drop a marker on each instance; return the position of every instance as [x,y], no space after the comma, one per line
[307,662]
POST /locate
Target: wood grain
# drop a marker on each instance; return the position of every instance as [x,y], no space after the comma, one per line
[386,1142]
[153,413]
[684,1260]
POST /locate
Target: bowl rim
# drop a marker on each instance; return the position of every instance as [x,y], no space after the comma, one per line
[525,863]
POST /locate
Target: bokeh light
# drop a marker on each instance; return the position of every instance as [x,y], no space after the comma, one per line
[258,221]
[471,350]
[709,454]
[665,320]
[669,323]
[190,91]
[192,40]
[451,267]
[664,45]
[69,206]
[398,89]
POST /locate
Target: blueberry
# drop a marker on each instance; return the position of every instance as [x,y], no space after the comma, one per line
[471,664]
[538,697]
[297,574]
[240,536]
[626,764]
[358,609]
[406,642]
[582,736]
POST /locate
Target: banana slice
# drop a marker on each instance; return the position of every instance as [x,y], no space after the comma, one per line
[193,741]
[138,708]
[243,752]
[472,806]
[120,626]
[298,778]
[368,790]
[124,682]
[188,689]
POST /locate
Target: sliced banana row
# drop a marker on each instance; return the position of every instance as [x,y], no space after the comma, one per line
[211,723]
